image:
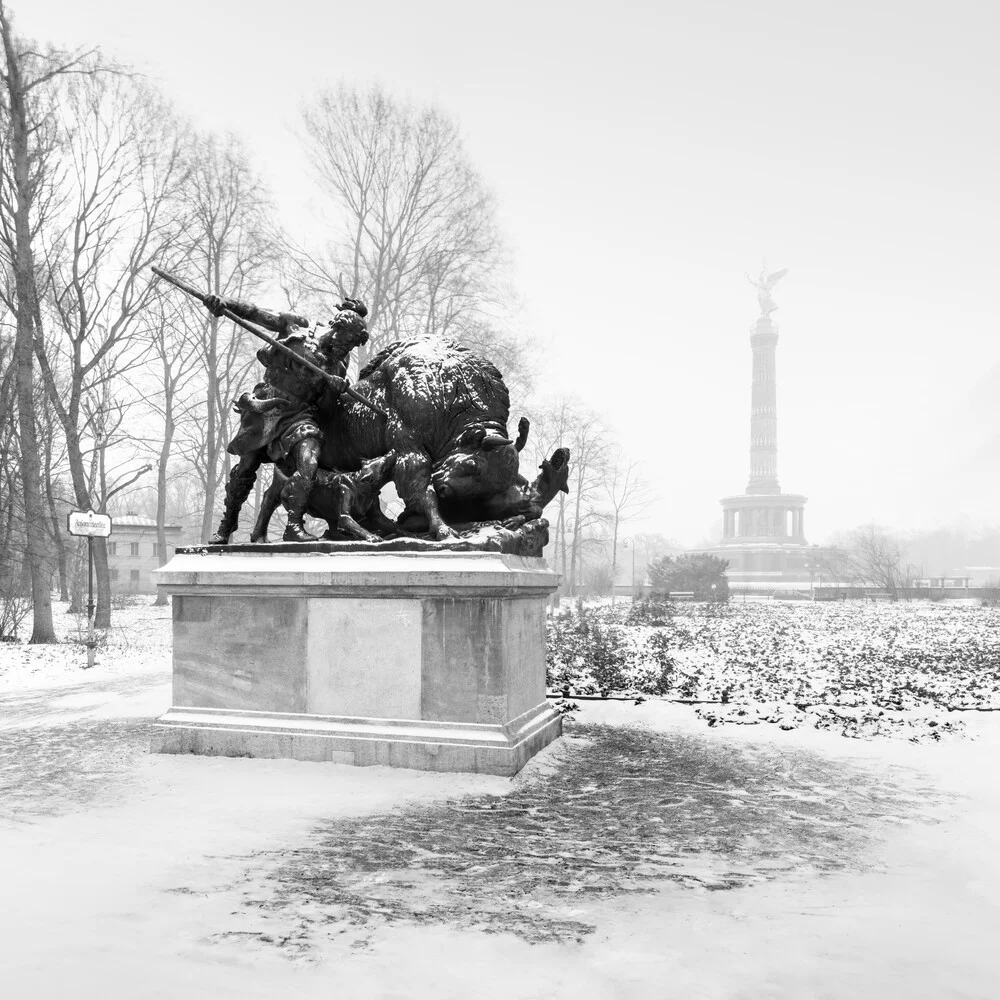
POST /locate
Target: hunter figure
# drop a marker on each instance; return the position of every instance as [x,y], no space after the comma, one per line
[278,419]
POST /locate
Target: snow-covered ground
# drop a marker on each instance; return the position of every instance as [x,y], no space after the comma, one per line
[138,642]
[644,855]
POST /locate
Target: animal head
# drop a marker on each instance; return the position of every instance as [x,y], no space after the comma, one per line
[483,463]
[554,476]
[374,474]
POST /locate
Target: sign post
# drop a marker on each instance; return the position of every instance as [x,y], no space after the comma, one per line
[91,526]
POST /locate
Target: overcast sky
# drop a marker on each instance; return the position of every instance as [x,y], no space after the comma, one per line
[645,156]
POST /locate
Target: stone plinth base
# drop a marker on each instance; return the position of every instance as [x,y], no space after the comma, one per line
[426,660]
[426,746]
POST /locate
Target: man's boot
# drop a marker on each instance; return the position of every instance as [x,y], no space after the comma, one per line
[294,497]
[238,488]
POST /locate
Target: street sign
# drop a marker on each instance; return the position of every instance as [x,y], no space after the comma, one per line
[88,523]
[91,526]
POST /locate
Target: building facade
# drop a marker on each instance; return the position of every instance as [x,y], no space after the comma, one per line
[133,553]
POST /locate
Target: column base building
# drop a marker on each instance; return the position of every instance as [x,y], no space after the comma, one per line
[764,541]
[763,534]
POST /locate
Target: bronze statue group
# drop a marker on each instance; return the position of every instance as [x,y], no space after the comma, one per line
[427,414]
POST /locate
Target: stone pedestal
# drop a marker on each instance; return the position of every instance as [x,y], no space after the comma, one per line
[430,660]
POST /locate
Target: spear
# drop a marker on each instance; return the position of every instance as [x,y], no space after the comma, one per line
[277,344]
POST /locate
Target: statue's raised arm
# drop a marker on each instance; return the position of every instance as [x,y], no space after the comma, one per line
[280,323]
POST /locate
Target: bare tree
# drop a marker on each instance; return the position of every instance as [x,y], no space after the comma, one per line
[54,480]
[837,564]
[627,496]
[231,247]
[13,603]
[550,428]
[418,241]
[121,163]
[175,358]
[877,558]
[29,76]
[653,546]
[589,446]
[596,575]
[568,422]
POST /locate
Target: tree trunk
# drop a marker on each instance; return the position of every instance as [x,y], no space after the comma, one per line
[84,501]
[161,492]
[211,451]
[562,540]
[59,542]
[614,560]
[556,542]
[24,282]
[574,551]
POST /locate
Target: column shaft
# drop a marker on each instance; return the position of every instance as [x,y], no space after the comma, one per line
[763,410]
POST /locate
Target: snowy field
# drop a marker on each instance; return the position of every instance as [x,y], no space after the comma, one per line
[645,855]
[859,668]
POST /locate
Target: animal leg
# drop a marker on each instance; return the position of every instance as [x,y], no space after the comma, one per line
[435,523]
[379,523]
[348,526]
[268,505]
[351,491]
[412,477]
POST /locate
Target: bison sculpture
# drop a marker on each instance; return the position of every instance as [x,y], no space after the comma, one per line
[444,445]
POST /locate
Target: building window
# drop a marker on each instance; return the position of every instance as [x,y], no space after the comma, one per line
[114,576]
[133,576]
[156,548]
[133,548]
[112,548]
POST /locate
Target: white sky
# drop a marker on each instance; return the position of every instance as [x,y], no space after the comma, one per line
[644,157]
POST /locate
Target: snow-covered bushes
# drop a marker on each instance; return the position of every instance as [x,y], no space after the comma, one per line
[872,658]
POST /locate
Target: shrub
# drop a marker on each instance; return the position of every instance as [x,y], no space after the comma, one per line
[585,653]
[15,606]
[700,573]
[991,593]
[128,600]
[654,610]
